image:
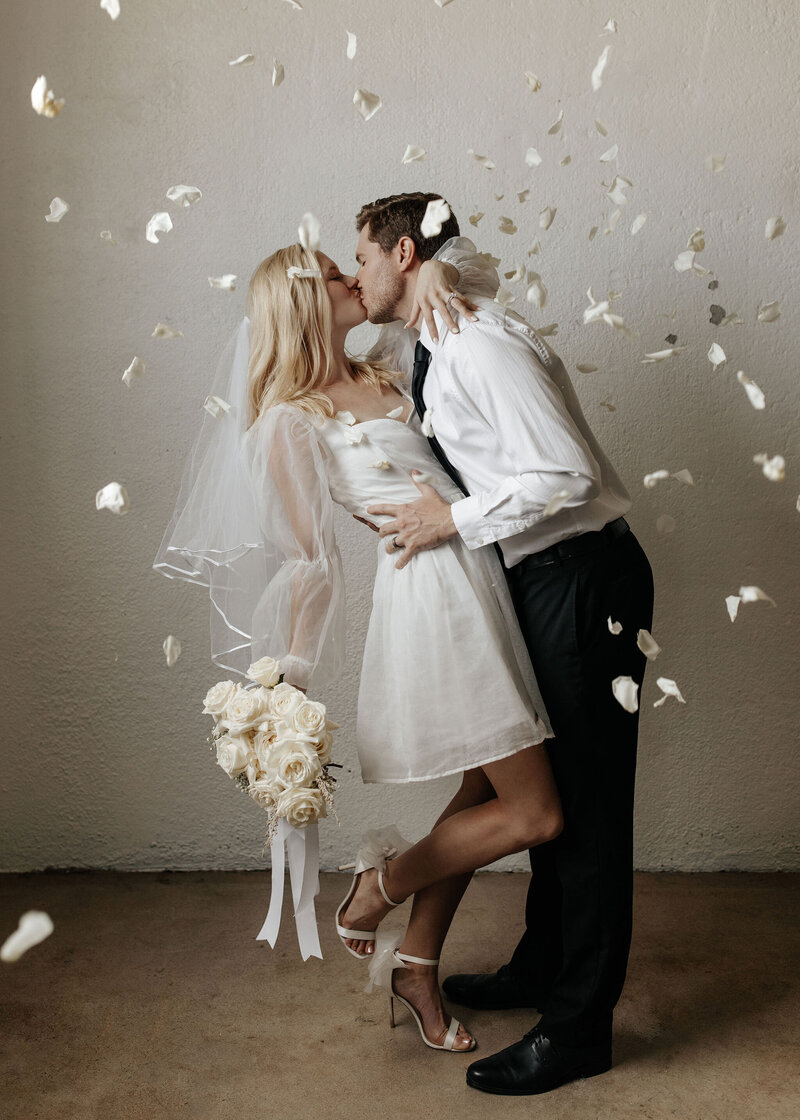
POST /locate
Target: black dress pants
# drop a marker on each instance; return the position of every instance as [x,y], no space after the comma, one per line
[574,952]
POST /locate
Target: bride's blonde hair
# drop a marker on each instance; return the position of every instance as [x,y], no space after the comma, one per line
[290,338]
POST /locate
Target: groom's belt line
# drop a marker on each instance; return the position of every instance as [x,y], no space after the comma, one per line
[577,546]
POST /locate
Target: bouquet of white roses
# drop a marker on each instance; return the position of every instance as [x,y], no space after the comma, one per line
[276,745]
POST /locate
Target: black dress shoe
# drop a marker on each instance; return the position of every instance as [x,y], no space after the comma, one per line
[495,991]
[536,1065]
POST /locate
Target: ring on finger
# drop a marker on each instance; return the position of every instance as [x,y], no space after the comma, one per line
[397,547]
[451,297]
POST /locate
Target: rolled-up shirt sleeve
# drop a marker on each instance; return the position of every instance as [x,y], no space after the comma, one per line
[507,389]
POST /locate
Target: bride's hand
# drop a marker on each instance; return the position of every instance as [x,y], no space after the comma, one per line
[435,287]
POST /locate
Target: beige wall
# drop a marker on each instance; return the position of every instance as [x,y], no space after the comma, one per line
[106,763]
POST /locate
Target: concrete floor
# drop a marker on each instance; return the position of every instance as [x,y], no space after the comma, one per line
[153,1000]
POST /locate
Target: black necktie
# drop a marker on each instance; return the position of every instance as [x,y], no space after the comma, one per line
[422,357]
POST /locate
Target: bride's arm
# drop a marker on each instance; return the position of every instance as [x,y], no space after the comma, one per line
[456,266]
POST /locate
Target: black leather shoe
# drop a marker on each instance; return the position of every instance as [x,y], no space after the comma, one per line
[495,991]
[536,1065]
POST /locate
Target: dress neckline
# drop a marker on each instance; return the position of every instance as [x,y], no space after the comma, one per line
[380,419]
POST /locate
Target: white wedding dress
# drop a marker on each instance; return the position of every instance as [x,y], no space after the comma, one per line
[446,682]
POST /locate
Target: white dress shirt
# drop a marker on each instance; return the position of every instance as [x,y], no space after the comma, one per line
[507,416]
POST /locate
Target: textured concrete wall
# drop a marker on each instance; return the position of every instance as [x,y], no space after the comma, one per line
[106,763]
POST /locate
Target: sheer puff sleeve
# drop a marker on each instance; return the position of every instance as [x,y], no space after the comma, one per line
[300,616]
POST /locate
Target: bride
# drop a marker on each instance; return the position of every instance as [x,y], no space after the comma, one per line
[446,684]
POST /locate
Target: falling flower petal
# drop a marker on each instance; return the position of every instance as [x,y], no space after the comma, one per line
[614,627]
[774,228]
[610,154]
[436,213]
[295,273]
[110,6]
[443,3]
[625,691]
[163,331]
[184,195]
[504,297]
[611,26]
[135,370]
[669,688]
[715,163]
[352,435]
[697,241]
[298,7]
[752,594]
[475,218]
[563,162]
[612,221]
[546,217]
[352,44]
[757,399]
[774,469]
[661,355]
[586,367]
[534,85]
[427,426]
[536,292]
[506,225]
[556,502]
[769,312]
[616,191]
[547,330]
[159,223]
[107,235]
[345,417]
[683,476]
[309,232]
[395,413]
[556,125]
[665,524]
[716,355]
[382,465]
[498,197]
[278,73]
[484,161]
[732,603]
[648,645]
[226,282]
[638,222]
[367,103]
[113,497]
[516,275]
[58,208]
[523,196]
[650,480]
[412,154]
[172,649]
[601,126]
[34,926]
[600,65]
[535,248]
[216,406]
[532,158]
[685,262]
[243,60]
[44,100]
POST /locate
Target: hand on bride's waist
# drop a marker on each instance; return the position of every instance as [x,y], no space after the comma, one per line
[413,526]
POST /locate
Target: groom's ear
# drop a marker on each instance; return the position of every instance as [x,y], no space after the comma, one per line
[406,254]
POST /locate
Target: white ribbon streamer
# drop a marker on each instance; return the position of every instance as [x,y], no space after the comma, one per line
[301,845]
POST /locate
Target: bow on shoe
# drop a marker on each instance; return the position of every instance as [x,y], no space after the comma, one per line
[377,846]
[383,961]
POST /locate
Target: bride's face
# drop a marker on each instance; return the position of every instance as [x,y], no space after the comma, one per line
[346,306]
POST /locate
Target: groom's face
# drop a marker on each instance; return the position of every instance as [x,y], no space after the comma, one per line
[380,281]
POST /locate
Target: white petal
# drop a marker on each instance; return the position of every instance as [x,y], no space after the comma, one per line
[601,126]
[436,213]
[443,3]
[367,103]
[352,435]
[352,44]
[612,221]
[295,273]
[413,154]
[683,476]
[184,195]
[732,603]
[546,217]
[345,417]
[34,926]
[534,85]
[757,399]
[715,163]
[113,497]
[278,73]
[625,690]
[556,125]
[243,60]
[556,502]
[134,370]
[563,162]
[661,355]
[172,649]
[159,223]
[611,26]
[532,158]
[600,65]
[382,465]
[110,6]
[504,297]
[616,191]
[475,218]
[107,235]
[614,627]
[612,152]
[523,196]
[774,228]
[669,688]
[648,645]
[484,161]
[535,248]
[547,330]
[536,292]
[163,331]
[769,312]
[697,241]
[650,480]
[685,262]
[592,232]
[58,208]
[638,222]
[309,232]
[395,413]
[216,406]
[427,426]
[716,355]
[752,594]
[226,282]
[506,225]
[516,275]
[44,100]
[586,367]
[774,468]
[298,7]
[665,524]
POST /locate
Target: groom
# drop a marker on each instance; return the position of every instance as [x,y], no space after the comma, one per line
[508,426]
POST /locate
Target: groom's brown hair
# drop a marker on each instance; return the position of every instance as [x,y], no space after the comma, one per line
[400,215]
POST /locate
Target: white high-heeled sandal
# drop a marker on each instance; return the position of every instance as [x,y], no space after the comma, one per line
[378,846]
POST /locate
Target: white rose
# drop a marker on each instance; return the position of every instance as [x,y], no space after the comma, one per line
[218,698]
[266,671]
[286,699]
[323,745]
[265,792]
[245,710]
[233,752]
[301,806]
[309,717]
[296,764]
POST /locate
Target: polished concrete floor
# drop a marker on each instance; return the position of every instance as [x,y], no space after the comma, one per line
[152,1000]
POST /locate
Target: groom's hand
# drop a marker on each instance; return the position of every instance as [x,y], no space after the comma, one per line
[417,526]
